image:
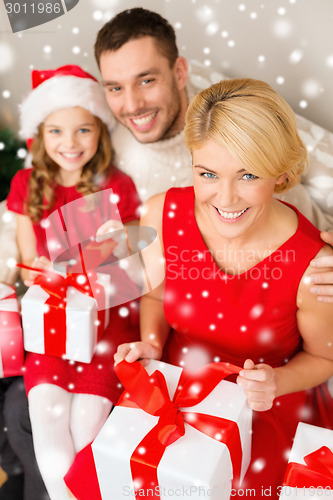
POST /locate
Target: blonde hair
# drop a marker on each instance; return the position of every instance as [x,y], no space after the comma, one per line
[42,180]
[254,123]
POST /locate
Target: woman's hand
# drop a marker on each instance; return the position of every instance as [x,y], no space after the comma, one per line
[41,263]
[137,350]
[258,382]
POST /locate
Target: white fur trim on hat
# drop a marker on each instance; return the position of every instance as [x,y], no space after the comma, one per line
[61,92]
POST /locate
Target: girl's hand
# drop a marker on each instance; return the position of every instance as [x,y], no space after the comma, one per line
[258,382]
[114,230]
[137,350]
[109,227]
[41,263]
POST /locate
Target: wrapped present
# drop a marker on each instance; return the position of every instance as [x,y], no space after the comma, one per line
[309,472]
[11,339]
[66,316]
[171,435]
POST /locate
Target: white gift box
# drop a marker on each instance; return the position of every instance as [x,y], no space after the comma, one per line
[83,315]
[308,438]
[196,465]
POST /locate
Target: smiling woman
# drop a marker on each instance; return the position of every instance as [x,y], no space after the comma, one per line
[245,301]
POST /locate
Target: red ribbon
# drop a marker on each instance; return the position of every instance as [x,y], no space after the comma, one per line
[150,393]
[318,471]
[55,317]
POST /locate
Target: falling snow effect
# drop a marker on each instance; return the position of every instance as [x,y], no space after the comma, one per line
[213,28]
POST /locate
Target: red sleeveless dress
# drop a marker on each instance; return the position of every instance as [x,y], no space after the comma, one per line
[221,317]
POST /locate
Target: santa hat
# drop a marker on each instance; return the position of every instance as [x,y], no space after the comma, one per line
[64,87]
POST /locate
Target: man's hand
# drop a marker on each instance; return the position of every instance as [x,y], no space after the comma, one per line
[322,283]
[258,382]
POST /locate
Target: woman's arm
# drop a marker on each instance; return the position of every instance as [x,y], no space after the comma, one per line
[310,367]
[153,325]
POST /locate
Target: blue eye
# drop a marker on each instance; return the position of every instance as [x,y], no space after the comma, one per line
[249,177]
[54,131]
[208,175]
[84,130]
[145,82]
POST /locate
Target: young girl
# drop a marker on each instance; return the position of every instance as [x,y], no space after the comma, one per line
[68,119]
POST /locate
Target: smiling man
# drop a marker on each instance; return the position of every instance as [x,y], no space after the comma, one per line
[148,95]
[144,76]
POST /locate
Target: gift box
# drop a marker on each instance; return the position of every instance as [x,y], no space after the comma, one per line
[11,340]
[309,472]
[66,316]
[165,450]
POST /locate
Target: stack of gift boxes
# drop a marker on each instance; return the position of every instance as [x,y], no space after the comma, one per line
[183,438]
[150,444]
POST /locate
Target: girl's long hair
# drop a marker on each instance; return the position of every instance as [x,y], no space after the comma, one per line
[43,178]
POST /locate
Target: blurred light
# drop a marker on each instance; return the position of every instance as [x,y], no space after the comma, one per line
[97,15]
[212,29]
[329,61]
[6,57]
[296,56]
[311,88]
[282,28]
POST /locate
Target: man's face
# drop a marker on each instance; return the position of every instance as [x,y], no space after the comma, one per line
[143,92]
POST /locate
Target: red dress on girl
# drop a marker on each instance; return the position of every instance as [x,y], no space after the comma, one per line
[222,317]
[96,377]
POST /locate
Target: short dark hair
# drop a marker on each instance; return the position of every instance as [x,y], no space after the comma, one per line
[136,23]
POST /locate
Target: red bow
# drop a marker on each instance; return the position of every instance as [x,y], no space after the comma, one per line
[150,393]
[38,77]
[318,471]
